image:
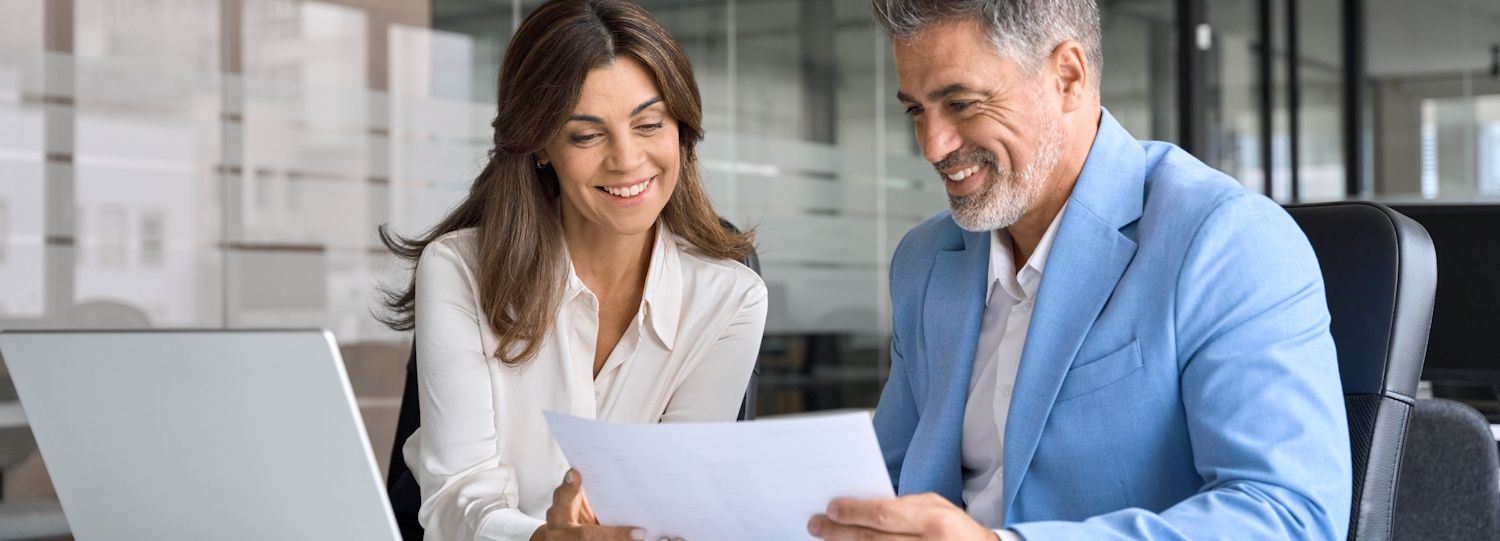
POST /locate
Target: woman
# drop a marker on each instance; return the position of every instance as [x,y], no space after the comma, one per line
[585,273]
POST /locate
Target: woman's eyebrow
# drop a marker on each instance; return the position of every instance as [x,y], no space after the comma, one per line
[642,107]
[597,120]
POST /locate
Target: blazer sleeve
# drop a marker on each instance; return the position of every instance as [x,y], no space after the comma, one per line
[469,492]
[1260,387]
[896,414]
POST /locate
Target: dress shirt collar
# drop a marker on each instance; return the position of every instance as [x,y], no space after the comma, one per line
[1020,285]
[663,296]
[661,301]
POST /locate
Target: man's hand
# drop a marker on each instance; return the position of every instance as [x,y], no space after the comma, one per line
[571,519]
[921,516]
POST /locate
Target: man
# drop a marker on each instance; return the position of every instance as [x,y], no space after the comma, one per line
[1104,338]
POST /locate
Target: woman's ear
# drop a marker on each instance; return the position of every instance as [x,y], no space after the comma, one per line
[542,160]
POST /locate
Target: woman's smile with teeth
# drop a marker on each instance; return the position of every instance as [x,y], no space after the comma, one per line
[628,191]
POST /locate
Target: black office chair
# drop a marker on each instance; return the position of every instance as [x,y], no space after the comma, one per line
[1450,476]
[1380,272]
[401,487]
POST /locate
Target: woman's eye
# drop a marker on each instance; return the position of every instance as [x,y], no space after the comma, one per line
[584,138]
[649,127]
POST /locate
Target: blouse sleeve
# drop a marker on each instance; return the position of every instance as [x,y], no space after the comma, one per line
[715,388]
[469,492]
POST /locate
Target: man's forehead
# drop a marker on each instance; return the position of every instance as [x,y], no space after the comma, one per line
[939,80]
[944,36]
[928,64]
[933,67]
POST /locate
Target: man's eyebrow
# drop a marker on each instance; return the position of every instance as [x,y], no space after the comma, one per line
[935,95]
[946,91]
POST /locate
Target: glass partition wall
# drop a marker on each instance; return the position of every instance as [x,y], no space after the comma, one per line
[224,163]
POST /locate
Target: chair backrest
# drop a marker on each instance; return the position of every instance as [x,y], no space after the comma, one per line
[1380,274]
[401,487]
[1450,476]
[747,406]
[16,443]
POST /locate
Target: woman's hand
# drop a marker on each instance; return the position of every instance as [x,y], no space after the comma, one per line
[571,518]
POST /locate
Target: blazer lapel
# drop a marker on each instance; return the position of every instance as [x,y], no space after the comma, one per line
[952,313]
[1088,257]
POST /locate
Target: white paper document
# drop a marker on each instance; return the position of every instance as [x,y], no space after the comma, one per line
[753,481]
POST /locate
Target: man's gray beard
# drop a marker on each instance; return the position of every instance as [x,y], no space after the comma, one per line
[1007,196]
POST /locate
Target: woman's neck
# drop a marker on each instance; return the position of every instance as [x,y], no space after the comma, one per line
[607,261]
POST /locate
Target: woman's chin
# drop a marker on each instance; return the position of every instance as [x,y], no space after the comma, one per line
[622,224]
[634,225]
[633,219]
[608,216]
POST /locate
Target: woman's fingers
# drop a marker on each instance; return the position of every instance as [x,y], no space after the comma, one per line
[595,533]
[613,533]
[567,501]
[571,518]
[585,511]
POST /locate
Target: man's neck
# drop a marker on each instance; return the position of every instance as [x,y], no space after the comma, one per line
[1027,232]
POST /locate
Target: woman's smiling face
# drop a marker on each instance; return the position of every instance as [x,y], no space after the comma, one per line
[618,156]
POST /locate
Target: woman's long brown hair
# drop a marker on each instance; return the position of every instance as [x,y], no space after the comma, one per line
[513,204]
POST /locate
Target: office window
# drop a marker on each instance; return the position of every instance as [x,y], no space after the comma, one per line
[153,231]
[1139,83]
[82,240]
[1461,146]
[1434,90]
[4,229]
[113,235]
[1489,149]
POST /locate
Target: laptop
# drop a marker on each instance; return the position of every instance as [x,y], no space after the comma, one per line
[193,435]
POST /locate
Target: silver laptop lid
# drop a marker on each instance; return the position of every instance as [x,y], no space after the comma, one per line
[193,435]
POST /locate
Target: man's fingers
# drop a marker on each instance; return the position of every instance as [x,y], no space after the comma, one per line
[824,528]
[899,516]
[930,498]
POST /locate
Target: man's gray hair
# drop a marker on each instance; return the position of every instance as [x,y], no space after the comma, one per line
[1025,31]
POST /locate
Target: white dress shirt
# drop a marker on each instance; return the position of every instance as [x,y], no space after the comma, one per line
[1002,335]
[484,458]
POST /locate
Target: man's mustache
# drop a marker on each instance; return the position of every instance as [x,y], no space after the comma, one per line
[965,157]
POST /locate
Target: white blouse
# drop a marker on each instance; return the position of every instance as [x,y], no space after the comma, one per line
[484,458]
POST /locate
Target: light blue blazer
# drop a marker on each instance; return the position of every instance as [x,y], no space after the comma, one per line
[1178,380]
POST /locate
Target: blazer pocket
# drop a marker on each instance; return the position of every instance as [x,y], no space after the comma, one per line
[1091,376]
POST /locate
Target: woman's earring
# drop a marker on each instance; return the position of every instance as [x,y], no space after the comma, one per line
[541,164]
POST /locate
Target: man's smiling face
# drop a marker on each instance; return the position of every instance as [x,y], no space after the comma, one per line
[990,129]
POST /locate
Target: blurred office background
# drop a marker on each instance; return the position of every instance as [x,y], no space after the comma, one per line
[224,163]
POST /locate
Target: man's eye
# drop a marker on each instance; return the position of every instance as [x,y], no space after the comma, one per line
[960,106]
[914,110]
